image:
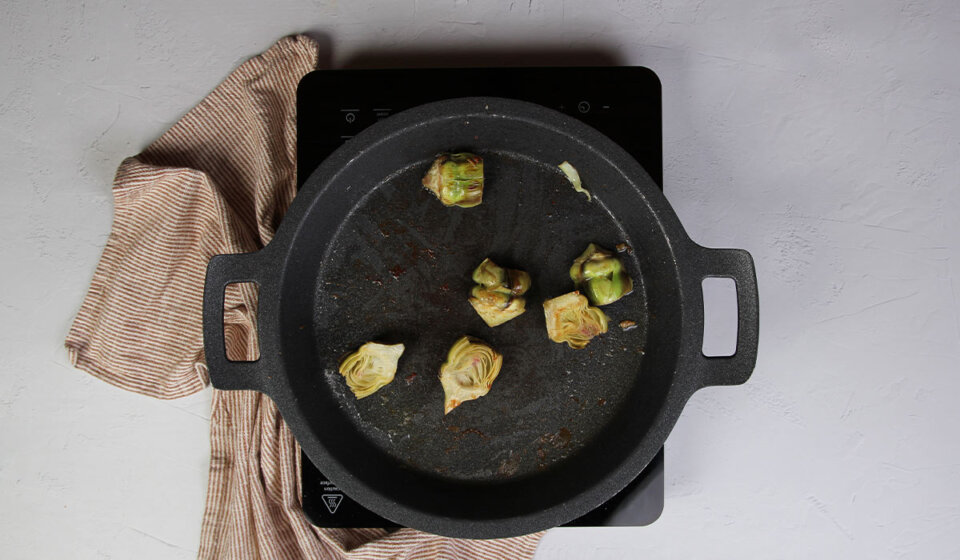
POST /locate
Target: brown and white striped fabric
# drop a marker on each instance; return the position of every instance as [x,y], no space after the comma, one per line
[219,181]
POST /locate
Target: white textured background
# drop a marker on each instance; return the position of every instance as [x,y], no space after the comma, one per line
[824,137]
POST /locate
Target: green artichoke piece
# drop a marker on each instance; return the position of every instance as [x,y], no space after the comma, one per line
[600,274]
[489,275]
[498,295]
[456,179]
[518,282]
[489,298]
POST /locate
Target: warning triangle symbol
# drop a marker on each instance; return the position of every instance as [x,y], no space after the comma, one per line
[332,501]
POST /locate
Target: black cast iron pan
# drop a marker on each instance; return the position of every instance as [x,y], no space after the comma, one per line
[365,253]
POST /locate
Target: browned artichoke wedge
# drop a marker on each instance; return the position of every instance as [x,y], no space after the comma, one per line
[371,367]
[495,308]
[456,179]
[570,319]
[498,297]
[471,367]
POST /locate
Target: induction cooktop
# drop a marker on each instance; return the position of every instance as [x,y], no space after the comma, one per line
[622,102]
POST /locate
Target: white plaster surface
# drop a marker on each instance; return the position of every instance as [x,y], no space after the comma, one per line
[824,137]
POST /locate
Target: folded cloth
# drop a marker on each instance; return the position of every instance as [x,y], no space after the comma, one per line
[217,182]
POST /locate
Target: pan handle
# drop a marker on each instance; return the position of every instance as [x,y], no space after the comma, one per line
[736,264]
[222,270]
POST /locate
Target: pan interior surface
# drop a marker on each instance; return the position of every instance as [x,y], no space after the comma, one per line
[398,270]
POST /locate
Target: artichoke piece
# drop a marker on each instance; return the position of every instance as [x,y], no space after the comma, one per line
[498,297]
[496,308]
[489,275]
[518,282]
[469,371]
[502,280]
[371,367]
[601,276]
[456,179]
[570,319]
[574,177]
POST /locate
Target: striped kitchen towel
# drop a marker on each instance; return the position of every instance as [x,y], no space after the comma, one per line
[217,182]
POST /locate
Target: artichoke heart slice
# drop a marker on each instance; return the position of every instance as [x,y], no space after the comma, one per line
[570,319]
[456,179]
[371,367]
[600,274]
[471,367]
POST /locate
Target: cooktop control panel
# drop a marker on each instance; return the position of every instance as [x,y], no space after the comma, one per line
[621,102]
